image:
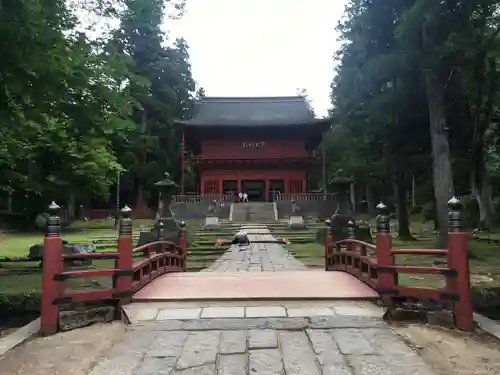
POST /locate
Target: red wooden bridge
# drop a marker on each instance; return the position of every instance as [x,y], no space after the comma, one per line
[353,270]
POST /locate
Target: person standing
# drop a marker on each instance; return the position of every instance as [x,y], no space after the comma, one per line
[240,196]
[245,197]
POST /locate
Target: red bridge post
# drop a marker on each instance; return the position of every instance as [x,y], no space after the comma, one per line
[387,282]
[124,261]
[458,260]
[183,243]
[52,263]
[328,243]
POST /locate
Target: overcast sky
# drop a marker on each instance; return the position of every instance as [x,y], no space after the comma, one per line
[262,47]
[256,47]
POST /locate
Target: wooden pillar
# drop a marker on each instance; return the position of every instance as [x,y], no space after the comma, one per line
[52,265]
[267,190]
[202,185]
[458,260]
[383,242]
[221,192]
[239,184]
[124,283]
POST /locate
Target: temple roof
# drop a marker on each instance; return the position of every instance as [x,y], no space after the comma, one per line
[256,111]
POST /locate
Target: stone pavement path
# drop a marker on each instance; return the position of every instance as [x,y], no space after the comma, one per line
[257,257]
[244,338]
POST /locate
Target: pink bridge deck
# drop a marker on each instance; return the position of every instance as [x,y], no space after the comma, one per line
[286,285]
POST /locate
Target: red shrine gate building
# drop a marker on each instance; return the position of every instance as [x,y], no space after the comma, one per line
[262,146]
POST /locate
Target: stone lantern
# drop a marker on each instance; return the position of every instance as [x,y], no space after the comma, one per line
[342,223]
[166,189]
[339,222]
[165,227]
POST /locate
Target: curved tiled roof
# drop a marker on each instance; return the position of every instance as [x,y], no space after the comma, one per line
[255,111]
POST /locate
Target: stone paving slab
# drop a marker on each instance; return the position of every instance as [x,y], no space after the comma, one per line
[315,346]
[156,311]
[257,257]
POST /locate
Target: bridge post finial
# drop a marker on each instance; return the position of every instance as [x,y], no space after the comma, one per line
[454,215]
[125,222]
[52,264]
[351,229]
[161,230]
[383,219]
[53,221]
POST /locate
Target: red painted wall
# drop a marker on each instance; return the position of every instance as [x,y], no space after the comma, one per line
[232,148]
[266,175]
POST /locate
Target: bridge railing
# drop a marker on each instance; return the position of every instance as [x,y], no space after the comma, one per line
[159,257]
[375,265]
[301,197]
[209,198]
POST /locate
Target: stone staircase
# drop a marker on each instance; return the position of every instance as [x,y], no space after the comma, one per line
[253,212]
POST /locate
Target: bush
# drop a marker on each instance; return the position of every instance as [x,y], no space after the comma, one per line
[416,210]
[429,211]
[20,303]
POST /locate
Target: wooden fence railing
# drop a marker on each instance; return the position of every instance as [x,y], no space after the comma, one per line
[209,198]
[305,197]
[375,265]
[127,276]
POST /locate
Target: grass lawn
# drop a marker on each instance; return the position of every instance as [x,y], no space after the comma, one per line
[25,277]
[484,261]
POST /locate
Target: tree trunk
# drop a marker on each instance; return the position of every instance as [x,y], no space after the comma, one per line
[413,188]
[140,203]
[71,207]
[482,176]
[352,192]
[441,166]
[404,232]
[369,199]
[484,199]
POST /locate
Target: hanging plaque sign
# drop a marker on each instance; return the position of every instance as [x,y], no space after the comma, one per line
[253,144]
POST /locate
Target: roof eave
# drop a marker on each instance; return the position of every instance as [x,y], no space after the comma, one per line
[325,122]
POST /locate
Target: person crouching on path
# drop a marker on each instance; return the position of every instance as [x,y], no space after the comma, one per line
[245,197]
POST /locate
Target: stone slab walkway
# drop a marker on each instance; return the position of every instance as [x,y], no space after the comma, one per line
[312,338]
[257,257]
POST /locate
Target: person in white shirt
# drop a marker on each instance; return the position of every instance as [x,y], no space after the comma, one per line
[240,195]
[245,197]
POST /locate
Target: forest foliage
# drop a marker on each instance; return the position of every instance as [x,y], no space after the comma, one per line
[416,106]
[82,102]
